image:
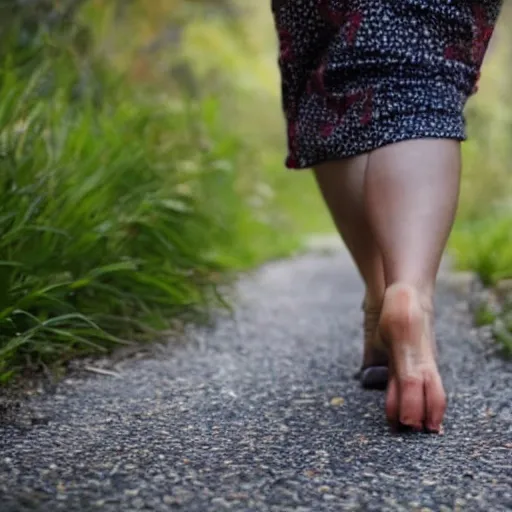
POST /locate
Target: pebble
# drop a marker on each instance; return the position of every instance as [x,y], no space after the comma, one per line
[266,416]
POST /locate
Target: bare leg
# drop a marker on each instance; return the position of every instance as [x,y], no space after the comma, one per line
[342,186]
[411,194]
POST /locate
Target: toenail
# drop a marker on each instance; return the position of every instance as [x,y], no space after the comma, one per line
[436,429]
[412,424]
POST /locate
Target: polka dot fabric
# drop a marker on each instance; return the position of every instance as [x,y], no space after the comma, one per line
[357,75]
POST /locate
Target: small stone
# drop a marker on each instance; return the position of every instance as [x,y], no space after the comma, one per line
[337,401]
[220,502]
[459,505]
[169,500]
[138,503]
[324,488]
[238,496]
[39,420]
[131,492]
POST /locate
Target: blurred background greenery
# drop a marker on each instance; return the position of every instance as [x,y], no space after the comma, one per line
[142,147]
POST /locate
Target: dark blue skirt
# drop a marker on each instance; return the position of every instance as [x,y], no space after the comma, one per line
[359,74]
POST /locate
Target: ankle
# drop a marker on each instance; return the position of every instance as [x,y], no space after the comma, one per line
[373,300]
[403,312]
[421,294]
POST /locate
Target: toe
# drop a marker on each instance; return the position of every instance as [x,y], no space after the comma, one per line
[412,402]
[392,403]
[435,402]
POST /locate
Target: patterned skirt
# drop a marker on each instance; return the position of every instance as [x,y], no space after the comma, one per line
[359,74]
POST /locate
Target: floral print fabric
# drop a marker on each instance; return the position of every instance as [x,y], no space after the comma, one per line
[359,74]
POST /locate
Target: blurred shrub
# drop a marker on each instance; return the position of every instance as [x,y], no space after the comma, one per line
[482,237]
[485,246]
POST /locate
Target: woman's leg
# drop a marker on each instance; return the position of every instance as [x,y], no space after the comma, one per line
[411,195]
[342,186]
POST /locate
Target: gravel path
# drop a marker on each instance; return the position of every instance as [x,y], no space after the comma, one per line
[262,414]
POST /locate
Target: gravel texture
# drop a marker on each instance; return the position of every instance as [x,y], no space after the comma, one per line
[261,413]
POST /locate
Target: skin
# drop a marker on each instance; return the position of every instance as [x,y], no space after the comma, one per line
[342,185]
[394,209]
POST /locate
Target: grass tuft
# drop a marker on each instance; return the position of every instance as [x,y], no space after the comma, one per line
[118,210]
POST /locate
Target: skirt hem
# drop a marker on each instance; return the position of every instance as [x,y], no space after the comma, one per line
[323,153]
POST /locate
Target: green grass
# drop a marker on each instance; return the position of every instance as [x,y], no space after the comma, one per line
[484,316]
[485,247]
[119,210]
[482,238]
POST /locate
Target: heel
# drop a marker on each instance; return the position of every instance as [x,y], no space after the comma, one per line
[402,319]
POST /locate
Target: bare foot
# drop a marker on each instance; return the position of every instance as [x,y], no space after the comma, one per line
[374,371]
[415,395]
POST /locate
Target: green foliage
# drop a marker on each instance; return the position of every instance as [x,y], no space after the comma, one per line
[119,208]
[94,233]
[485,246]
[503,335]
[482,239]
[484,316]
